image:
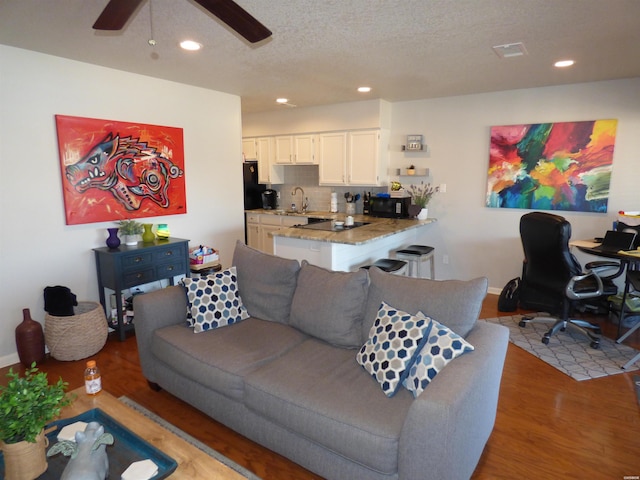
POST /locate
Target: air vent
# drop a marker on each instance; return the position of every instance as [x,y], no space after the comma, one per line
[509,50]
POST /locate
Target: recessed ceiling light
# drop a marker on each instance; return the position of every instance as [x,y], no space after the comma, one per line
[364,89]
[282,100]
[564,63]
[190,45]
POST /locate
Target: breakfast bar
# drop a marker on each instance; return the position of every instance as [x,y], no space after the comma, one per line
[348,248]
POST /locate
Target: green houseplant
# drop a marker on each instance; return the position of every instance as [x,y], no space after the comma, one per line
[130,229]
[27,404]
[421,196]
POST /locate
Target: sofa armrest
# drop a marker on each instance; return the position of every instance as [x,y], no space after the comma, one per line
[155,310]
[449,424]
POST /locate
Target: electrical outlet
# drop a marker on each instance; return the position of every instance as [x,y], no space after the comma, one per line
[443,188]
[445,259]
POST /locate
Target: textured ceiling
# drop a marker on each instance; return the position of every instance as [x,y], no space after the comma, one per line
[321,50]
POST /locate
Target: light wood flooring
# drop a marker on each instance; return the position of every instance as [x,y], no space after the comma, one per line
[548,425]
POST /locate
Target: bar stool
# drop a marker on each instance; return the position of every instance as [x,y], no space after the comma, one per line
[415,255]
[390,265]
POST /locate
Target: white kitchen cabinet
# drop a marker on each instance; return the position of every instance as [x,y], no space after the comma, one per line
[260,227]
[367,165]
[332,153]
[267,171]
[354,158]
[262,149]
[295,150]
[249,149]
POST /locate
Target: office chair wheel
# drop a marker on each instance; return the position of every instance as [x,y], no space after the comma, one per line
[545,340]
[522,323]
[595,344]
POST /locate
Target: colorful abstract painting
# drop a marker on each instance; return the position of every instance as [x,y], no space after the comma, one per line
[552,166]
[117,170]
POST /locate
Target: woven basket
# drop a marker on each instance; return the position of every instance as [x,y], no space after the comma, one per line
[77,336]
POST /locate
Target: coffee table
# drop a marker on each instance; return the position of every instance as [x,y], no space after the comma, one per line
[193,463]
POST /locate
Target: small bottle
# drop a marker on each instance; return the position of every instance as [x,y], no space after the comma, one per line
[92,379]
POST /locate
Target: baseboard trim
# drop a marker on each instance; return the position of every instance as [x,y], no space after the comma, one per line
[9,360]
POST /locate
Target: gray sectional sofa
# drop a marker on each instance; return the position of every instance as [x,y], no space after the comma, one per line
[287,376]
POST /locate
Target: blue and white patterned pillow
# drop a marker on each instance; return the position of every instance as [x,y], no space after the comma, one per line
[394,339]
[214,301]
[442,346]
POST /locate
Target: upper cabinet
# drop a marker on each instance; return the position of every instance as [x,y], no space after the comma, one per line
[354,158]
[295,150]
[263,151]
[249,149]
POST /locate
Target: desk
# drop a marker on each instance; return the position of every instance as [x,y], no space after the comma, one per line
[632,263]
[125,267]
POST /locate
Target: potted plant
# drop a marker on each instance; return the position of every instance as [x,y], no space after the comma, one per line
[421,196]
[411,170]
[27,404]
[130,229]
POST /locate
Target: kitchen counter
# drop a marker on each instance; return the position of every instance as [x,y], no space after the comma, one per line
[378,227]
[351,248]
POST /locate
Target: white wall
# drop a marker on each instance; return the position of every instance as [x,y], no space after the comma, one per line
[485,241]
[481,241]
[37,249]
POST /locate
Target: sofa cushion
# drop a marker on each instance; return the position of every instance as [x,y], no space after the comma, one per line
[221,358]
[214,301]
[266,283]
[394,340]
[330,305]
[454,303]
[319,392]
[441,347]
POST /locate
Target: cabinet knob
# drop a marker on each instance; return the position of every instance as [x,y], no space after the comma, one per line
[170,269]
[138,275]
[138,259]
[169,253]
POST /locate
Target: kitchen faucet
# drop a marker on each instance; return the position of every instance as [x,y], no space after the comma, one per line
[304,200]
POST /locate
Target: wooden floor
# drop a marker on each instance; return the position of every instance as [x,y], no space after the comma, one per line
[548,426]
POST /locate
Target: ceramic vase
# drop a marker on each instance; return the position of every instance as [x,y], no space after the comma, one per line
[113,241]
[131,240]
[147,235]
[162,231]
[424,214]
[25,460]
[29,340]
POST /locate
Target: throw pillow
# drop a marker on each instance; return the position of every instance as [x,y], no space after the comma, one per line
[394,339]
[214,300]
[442,346]
[330,305]
[266,283]
[454,303]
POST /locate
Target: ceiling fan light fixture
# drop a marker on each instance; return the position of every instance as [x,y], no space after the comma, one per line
[364,89]
[282,100]
[563,63]
[190,45]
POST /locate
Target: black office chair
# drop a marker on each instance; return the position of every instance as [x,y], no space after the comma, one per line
[552,278]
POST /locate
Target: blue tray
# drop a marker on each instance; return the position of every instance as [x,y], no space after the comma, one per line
[126,449]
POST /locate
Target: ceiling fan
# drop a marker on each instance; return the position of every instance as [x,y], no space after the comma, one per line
[117,12]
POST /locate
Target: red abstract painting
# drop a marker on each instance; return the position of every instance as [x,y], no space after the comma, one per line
[117,170]
[552,166]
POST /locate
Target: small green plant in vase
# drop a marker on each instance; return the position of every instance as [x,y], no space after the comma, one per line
[27,404]
[421,196]
[130,229]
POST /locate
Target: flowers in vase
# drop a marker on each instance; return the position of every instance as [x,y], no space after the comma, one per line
[421,194]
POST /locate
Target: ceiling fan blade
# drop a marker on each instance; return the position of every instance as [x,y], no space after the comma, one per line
[116,14]
[237,18]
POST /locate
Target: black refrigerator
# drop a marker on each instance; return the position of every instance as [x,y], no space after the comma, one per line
[252,190]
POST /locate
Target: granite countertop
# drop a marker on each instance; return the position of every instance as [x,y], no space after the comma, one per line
[377,228]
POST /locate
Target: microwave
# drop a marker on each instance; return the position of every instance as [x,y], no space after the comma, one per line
[389,207]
